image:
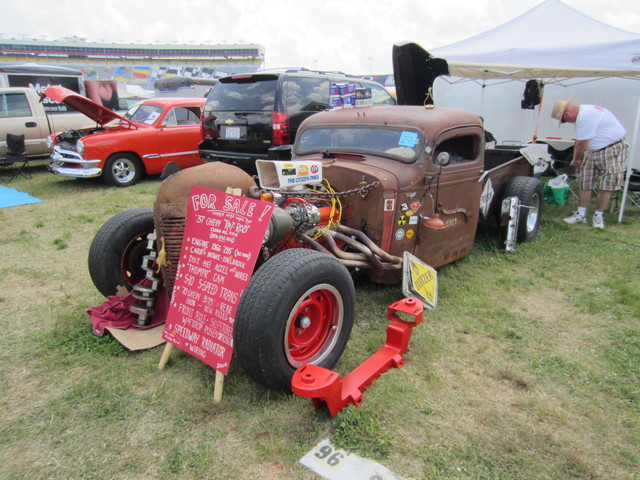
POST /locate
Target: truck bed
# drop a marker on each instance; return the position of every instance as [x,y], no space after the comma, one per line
[494,157]
[501,166]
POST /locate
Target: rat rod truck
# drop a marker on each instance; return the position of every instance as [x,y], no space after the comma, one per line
[369,185]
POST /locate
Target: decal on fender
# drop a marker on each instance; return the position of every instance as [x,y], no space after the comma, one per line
[399,234]
[402,220]
[410,233]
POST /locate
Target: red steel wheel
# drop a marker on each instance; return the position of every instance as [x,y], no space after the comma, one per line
[314,325]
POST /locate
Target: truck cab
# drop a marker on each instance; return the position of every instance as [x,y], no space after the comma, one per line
[429,169]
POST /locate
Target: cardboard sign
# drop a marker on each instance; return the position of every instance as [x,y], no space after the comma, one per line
[222,239]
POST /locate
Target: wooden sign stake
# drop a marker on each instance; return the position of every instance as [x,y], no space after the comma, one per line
[165,355]
[217,389]
[219,381]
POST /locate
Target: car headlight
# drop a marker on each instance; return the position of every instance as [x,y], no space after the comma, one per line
[49,143]
[80,147]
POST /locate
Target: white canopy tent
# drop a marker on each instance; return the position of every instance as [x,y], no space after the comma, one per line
[557,44]
[552,40]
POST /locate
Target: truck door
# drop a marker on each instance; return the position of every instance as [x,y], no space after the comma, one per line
[453,194]
[17,117]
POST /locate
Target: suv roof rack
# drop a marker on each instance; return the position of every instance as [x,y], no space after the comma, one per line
[330,72]
[305,70]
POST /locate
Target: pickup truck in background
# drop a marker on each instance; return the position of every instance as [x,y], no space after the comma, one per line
[23,112]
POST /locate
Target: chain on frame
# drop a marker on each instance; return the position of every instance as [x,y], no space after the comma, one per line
[363,190]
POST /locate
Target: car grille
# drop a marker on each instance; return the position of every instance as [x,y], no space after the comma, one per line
[171,228]
[65,145]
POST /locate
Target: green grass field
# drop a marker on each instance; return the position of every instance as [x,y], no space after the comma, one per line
[528,369]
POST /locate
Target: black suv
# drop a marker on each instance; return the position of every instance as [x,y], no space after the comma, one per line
[256,116]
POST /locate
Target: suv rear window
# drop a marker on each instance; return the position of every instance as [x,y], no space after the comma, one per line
[239,94]
[307,94]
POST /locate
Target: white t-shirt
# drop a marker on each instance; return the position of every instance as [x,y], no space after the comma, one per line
[599,126]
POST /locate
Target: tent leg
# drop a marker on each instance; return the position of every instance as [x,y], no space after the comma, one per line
[632,155]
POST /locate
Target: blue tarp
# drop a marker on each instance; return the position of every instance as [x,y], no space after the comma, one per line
[10,197]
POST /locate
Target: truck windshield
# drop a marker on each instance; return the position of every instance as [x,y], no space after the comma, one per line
[402,144]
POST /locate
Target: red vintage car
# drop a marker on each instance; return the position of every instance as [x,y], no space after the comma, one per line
[121,149]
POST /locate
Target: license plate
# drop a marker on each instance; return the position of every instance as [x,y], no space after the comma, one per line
[232,133]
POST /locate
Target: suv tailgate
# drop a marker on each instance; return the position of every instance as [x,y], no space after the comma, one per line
[238,113]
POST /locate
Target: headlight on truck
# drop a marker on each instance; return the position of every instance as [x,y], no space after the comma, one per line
[80,147]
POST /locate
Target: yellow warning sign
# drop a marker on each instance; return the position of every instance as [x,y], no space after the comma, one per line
[420,280]
[402,220]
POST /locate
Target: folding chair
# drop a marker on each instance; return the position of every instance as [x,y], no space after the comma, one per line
[15,162]
[633,193]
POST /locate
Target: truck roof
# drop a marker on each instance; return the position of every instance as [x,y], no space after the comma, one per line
[432,121]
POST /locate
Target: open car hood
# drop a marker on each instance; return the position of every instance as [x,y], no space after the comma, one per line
[91,109]
[414,71]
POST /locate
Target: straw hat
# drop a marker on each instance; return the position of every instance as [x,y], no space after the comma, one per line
[558,109]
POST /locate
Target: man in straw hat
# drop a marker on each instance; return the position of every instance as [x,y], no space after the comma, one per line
[599,155]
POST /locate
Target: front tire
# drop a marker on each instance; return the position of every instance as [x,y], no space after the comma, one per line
[529,193]
[122,170]
[297,308]
[115,255]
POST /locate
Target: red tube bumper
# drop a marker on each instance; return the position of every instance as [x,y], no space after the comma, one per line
[326,386]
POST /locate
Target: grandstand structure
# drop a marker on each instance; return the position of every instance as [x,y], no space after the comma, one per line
[134,63]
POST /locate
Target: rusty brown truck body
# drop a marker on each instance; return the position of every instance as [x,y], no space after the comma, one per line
[366,189]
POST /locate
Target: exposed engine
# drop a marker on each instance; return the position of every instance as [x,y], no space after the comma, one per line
[309,215]
[68,139]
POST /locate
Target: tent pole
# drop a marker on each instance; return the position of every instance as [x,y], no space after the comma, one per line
[632,155]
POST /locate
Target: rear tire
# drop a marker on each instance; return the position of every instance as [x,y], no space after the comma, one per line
[115,255]
[529,193]
[297,308]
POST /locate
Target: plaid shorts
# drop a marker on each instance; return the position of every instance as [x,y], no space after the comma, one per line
[604,169]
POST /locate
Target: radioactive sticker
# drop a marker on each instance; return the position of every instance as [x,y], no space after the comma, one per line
[402,220]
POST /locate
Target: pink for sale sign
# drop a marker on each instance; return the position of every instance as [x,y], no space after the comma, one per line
[222,239]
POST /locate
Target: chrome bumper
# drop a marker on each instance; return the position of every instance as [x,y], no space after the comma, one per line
[85,169]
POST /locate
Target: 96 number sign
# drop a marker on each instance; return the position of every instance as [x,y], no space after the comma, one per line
[334,457]
[331,456]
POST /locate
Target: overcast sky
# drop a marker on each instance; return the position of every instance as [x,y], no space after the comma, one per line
[353,36]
